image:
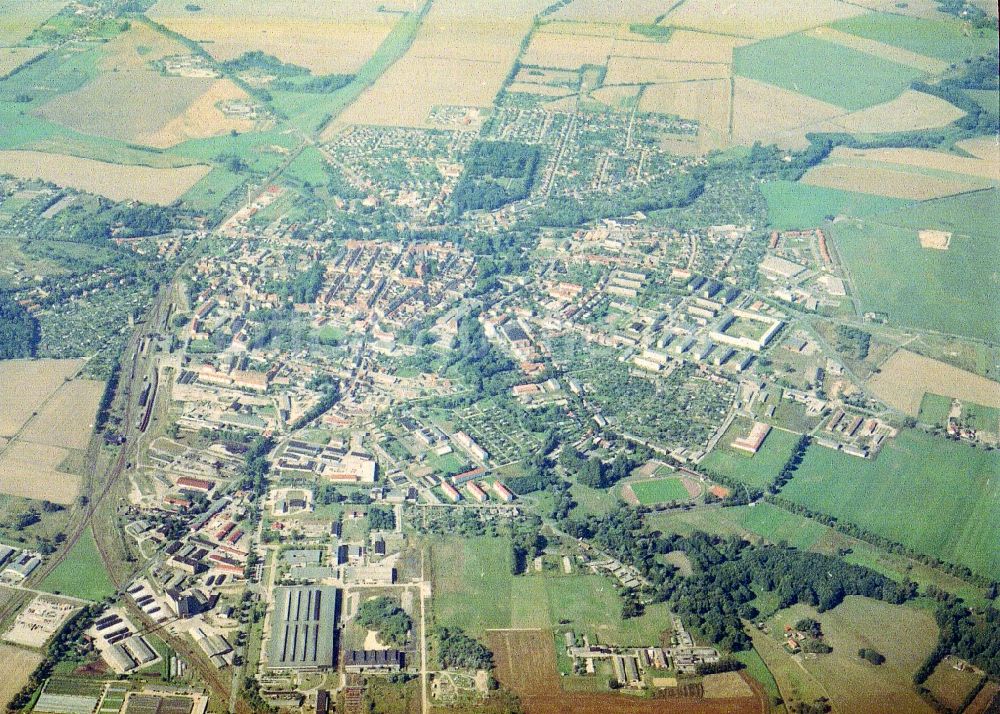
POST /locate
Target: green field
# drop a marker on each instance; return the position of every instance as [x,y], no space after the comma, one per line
[792,205]
[933,495]
[823,70]
[660,491]
[759,671]
[949,40]
[474,589]
[778,525]
[904,634]
[758,469]
[959,288]
[934,409]
[981,418]
[82,574]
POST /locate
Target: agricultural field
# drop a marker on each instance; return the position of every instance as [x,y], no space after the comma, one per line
[115,181]
[959,292]
[792,205]
[327,38]
[947,40]
[26,384]
[777,525]
[18,666]
[474,589]
[82,573]
[18,19]
[756,20]
[32,471]
[13,57]
[757,470]
[829,72]
[935,496]
[903,381]
[67,418]
[452,61]
[950,685]
[903,634]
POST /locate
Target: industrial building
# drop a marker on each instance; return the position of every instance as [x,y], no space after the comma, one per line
[302,628]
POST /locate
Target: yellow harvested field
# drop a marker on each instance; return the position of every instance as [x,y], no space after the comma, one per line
[885,182]
[757,18]
[13,57]
[726,685]
[135,49]
[620,11]
[67,418]
[646,50]
[626,70]
[707,102]
[29,470]
[567,51]
[326,37]
[203,119]
[898,55]
[18,666]
[983,147]
[545,90]
[115,181]
[763,112]
[685,45]
[927,9]
[923,159]
[461,55]
[556,77]
[26,384]
[910,110]
[906,376]
[19,17]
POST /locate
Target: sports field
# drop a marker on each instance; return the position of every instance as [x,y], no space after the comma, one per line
[935,496]
[792,205]
[659,491]
[824,70]
[752,469]
[82,574]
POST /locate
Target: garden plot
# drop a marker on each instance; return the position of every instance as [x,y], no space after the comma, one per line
[504,438]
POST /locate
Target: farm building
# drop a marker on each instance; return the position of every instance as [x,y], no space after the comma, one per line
[373,660]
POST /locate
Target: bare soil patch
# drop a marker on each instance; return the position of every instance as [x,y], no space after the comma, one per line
[18,666]
[936,240]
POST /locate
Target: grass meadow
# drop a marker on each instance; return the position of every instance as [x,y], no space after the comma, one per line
[758,469]
[947,40]
[792,205]
[475,590]
[959,287]
[823,70]
[82,573]
[936,496]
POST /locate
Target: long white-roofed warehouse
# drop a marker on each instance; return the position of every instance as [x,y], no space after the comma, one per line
[303,626]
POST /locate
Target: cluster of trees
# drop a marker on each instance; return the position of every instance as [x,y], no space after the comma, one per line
[791,465]
[526,543]
[253,473]
[593,472]
[726,664]
[385,616]
[873,656]
[853,341]
[19,333]
[456,650]
[82,223]
[304,286]
[381,519]
[323,84]
[496,173]
[331,393]
[478,362]
[728,572]
[973,637]
[108,395]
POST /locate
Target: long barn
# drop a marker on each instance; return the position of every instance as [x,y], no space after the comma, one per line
[302,628]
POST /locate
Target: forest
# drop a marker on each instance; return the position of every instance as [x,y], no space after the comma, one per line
[496,173]
[19,333]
